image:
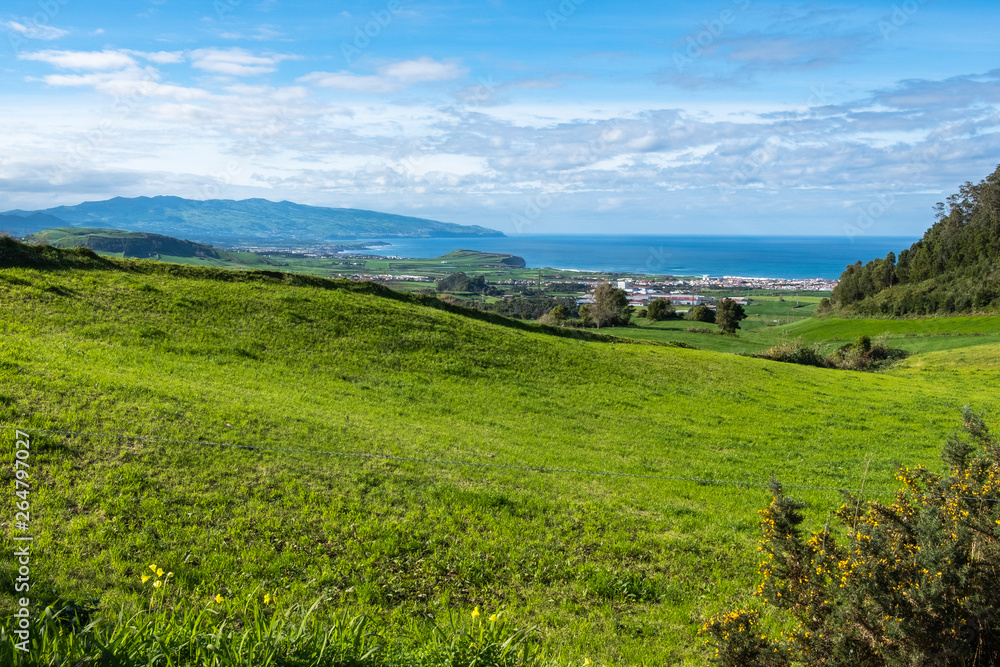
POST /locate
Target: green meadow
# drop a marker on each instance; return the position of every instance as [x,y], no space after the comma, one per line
[772,322]
[412,463]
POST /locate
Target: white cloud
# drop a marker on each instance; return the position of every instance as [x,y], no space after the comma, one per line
[348,81]
[236,62]
[262,33]
[82,60]
[159,57]
[394,76]
[36,31]
[409,72]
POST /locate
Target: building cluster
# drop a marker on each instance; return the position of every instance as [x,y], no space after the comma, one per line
[641,296]
[387,277]
[738,282]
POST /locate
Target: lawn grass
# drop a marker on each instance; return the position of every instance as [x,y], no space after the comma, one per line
[620,570]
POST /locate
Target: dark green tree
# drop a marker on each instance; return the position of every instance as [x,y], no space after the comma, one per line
[459,282]
[701,314]
[728,316]
[953,268]
[559,314]
[610,306]
[660,309]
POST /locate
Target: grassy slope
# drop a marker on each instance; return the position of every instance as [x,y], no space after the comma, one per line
[611,568]
[760,331]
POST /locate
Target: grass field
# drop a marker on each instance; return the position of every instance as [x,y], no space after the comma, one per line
[771,322]
[614,569]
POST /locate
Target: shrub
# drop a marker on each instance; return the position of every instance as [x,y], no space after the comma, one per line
[909,583]
[661,309]
[701,314]
[863,355]
[794,352]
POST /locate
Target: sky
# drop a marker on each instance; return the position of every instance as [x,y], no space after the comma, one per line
[738,117]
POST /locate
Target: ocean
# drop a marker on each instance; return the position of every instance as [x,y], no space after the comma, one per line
[747,256]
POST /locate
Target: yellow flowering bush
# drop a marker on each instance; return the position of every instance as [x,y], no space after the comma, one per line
[913,582]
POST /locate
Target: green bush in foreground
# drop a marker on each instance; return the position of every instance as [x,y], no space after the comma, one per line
[861,355]
[255,633]
[910,583]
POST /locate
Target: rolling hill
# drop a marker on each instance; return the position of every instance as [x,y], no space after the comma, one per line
[222,220]
[138,245]
[394,456]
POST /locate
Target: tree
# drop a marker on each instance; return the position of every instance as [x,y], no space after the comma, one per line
[559,314]
[701,314]
[586,315]
[660,309]
[907,583]
[728,316]
[610,306]
[459,282]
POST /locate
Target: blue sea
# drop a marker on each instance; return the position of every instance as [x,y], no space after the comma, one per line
[747,256]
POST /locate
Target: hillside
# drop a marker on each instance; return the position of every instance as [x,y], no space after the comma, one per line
[141,245]
[129,244]
[954,268]
[341,412]
[248,220]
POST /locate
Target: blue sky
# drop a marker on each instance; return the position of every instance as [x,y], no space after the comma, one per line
[571,116]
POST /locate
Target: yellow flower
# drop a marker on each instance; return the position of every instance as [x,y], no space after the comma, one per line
[159,571]
[267,599]
[153,568]
[586,661]
[475,613]
[169,574]
[493,618]
[219,598]
[146,578]
[157,583]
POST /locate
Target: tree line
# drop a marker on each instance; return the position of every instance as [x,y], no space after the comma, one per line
[955,267]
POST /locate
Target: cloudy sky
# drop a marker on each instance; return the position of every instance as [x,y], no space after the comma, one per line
[571,116]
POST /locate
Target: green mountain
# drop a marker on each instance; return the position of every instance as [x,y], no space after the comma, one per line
[954,268]
[248,220]
[23,223]
[414,462]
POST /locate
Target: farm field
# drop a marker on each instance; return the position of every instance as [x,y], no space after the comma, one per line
[356,398]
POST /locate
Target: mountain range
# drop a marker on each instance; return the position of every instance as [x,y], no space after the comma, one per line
[224,220]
